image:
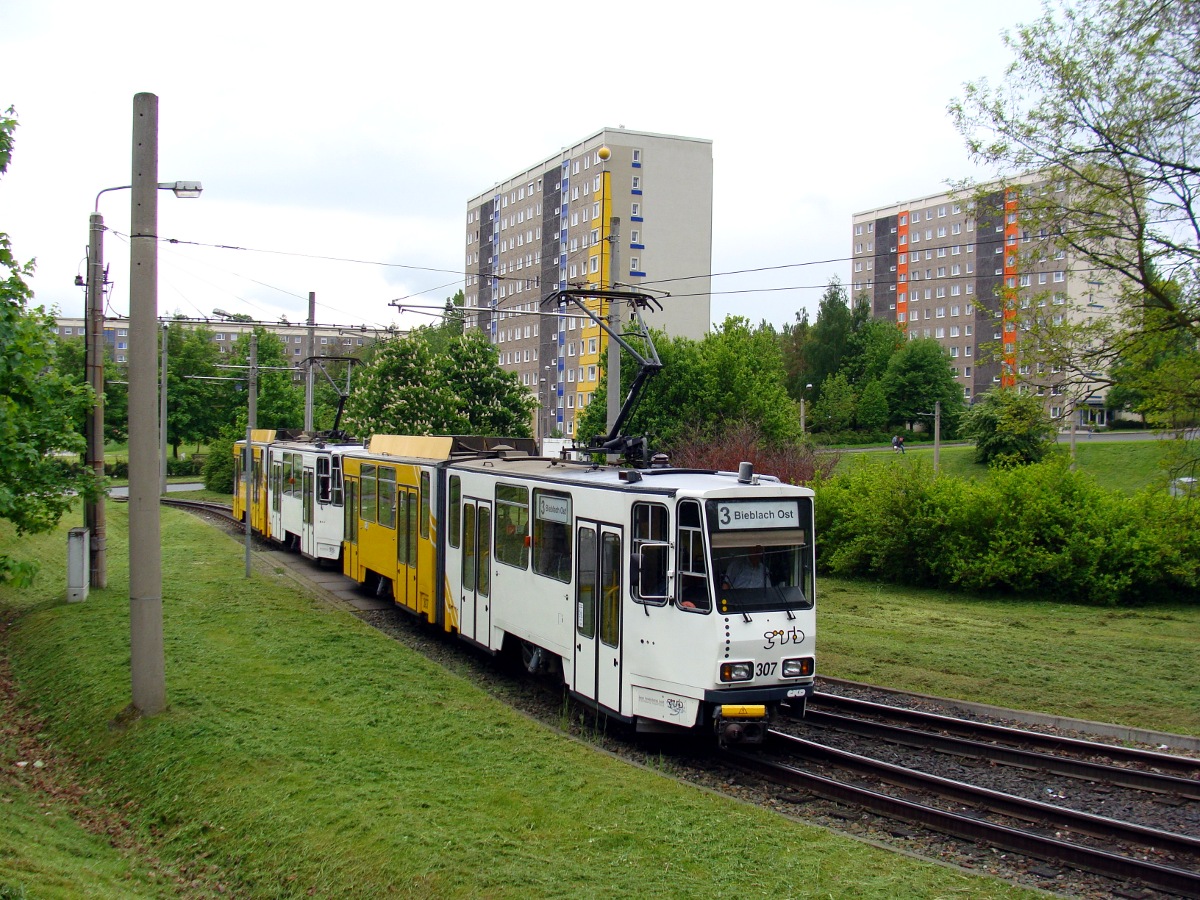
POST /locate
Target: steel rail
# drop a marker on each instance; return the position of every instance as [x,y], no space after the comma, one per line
[1181,881]
[208,506]
[1136,779]
[1185,765]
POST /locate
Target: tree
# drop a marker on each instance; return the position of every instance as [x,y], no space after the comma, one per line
[917,377]
[407,388]
[734,375]
[872,413]
[39,405]
[836,408]
[194,404]
[1101,104]
[830,336]
[280,397]
[1008,428]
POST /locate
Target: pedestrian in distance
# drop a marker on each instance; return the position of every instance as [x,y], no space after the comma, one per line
[900,445]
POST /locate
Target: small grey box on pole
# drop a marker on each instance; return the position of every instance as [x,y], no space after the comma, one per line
[147,659]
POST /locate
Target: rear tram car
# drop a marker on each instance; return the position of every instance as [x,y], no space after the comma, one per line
[295,491]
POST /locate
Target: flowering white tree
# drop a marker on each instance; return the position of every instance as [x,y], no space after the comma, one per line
[424,383]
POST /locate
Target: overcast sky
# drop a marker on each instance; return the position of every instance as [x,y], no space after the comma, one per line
[338,143]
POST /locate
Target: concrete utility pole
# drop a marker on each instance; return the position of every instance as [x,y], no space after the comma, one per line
[147,662]
[310,383]
[162,405]
[251,424]
[94,514]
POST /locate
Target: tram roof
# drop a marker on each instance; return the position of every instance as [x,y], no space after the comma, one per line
[654,480]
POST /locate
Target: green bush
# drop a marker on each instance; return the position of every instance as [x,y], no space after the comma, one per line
[1034,530]
[218,464]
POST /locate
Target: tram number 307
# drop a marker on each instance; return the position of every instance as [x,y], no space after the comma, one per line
[764,669]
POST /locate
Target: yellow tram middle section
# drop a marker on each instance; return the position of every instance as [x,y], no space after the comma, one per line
[391,523]
[391,529]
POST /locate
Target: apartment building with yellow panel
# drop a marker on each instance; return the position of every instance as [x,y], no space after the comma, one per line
[551,226]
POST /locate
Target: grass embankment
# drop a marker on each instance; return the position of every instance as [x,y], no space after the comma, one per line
[305,752]
[1131,667]
[1124,466]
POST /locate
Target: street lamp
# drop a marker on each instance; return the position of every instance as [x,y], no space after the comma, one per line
[93,328]
[807,388]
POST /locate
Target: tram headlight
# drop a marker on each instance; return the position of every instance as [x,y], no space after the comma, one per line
[796,668]
[737,671]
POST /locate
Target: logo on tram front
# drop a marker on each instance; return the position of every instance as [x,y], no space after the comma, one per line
[780,637]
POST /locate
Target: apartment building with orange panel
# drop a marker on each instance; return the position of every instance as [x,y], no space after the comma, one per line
[960,271]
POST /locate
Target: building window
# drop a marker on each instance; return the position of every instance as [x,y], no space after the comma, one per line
[635,209]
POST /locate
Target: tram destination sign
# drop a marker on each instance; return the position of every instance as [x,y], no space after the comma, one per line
[745,514]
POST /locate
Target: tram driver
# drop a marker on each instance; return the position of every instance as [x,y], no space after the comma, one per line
[748,571]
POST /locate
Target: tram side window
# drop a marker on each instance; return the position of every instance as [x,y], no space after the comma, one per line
[335,492]
[425,505]
[692,585]
[455,510]
[387,496]
[468,554]
[484,583]
[401,530]
[512,525]
[552,534]
[324,480]
[586,585]
[288,480]
[367,503]
[276,483]
[650,541]
[349,519]
[412,527]
[237,473]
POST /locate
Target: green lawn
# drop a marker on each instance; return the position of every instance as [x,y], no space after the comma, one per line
[1125,466]
[303,752]
[1131,667]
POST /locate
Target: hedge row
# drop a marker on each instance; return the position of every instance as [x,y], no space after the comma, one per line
[192,466]
[1038,530]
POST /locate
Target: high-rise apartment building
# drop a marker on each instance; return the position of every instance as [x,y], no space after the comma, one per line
[549,227]
[964,272]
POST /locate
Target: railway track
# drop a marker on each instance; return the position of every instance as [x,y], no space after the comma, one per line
[1139,769]
[220,510]
[1152,857]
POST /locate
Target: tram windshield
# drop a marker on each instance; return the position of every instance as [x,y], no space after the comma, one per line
[758,568]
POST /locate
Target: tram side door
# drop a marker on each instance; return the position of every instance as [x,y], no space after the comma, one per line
[597,668]
[350,528]
[308,541]
[475,603]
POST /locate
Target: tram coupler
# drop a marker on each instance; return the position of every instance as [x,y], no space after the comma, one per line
[741,724]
